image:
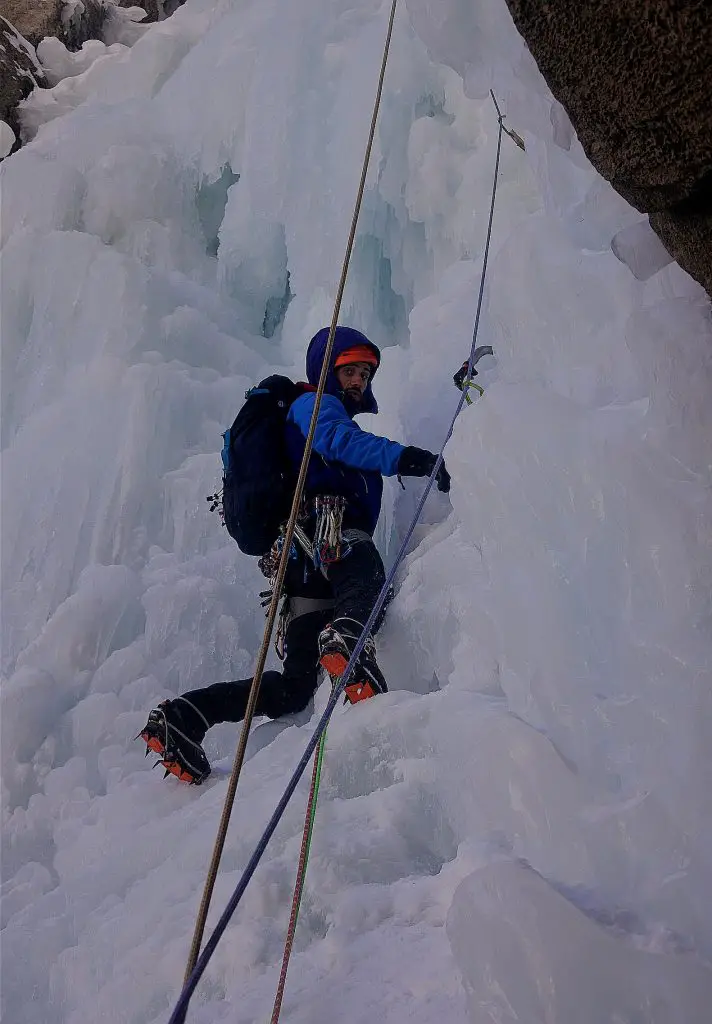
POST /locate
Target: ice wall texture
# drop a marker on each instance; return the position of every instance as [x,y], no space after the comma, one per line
[529,806]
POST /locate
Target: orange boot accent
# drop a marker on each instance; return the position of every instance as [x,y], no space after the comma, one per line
[358,691]
[334,663]
[174,768]
[153,743]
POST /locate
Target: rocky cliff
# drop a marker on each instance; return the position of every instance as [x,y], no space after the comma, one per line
[24,23]
[20,72]
[636,81]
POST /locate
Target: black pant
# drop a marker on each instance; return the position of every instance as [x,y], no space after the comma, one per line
[353,585]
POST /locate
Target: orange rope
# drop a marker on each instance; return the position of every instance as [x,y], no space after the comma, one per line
[301,876]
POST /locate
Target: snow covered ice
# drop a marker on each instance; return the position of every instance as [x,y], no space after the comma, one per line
[522,828]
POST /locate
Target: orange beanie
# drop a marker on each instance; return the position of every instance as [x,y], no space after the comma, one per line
[357,354]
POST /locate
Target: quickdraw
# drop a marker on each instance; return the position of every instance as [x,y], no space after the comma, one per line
[281,634]
[269,564]
[329,544]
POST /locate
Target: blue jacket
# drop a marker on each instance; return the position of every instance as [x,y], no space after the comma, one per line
[346,460]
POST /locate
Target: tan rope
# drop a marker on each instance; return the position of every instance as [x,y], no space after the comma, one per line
[272,613]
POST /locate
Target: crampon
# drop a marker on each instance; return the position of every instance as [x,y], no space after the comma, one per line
[178,754]
[366,680]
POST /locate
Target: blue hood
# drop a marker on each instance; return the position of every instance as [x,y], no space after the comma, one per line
[345,337]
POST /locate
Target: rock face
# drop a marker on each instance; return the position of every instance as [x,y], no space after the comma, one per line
[85,23]
[20,72]
[33,19]
[636,79]
[153,8]
[24,23]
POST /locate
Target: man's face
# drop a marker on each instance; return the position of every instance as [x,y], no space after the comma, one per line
[354,378]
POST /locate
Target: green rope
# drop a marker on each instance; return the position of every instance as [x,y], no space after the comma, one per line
[301,875]
[317,780]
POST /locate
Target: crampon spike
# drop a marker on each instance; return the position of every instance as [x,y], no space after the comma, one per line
[176,769]
[153,743]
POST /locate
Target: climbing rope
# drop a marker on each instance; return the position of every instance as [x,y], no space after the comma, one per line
[301,876]
[178,1015]
[279,582]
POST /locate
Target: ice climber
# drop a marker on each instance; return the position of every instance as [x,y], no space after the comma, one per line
[326,606]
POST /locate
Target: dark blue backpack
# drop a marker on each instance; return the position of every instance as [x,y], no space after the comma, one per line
[258,480]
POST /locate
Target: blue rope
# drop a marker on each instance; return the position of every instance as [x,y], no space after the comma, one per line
[178,1015]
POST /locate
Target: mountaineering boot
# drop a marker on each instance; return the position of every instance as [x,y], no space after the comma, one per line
[336,642]
[173,731]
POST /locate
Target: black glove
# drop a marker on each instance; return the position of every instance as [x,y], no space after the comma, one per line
[419,462]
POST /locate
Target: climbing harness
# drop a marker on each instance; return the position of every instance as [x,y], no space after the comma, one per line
[329,546]
[198,965]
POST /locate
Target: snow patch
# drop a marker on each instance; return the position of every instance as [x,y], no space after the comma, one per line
[7,139]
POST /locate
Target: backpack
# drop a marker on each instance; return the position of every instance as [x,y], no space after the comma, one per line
[258,480]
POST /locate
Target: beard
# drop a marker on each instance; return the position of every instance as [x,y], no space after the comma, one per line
[353,400]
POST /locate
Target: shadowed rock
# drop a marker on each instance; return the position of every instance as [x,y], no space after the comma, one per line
[33,19]
[25,23]
[635,79]
[20,72]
